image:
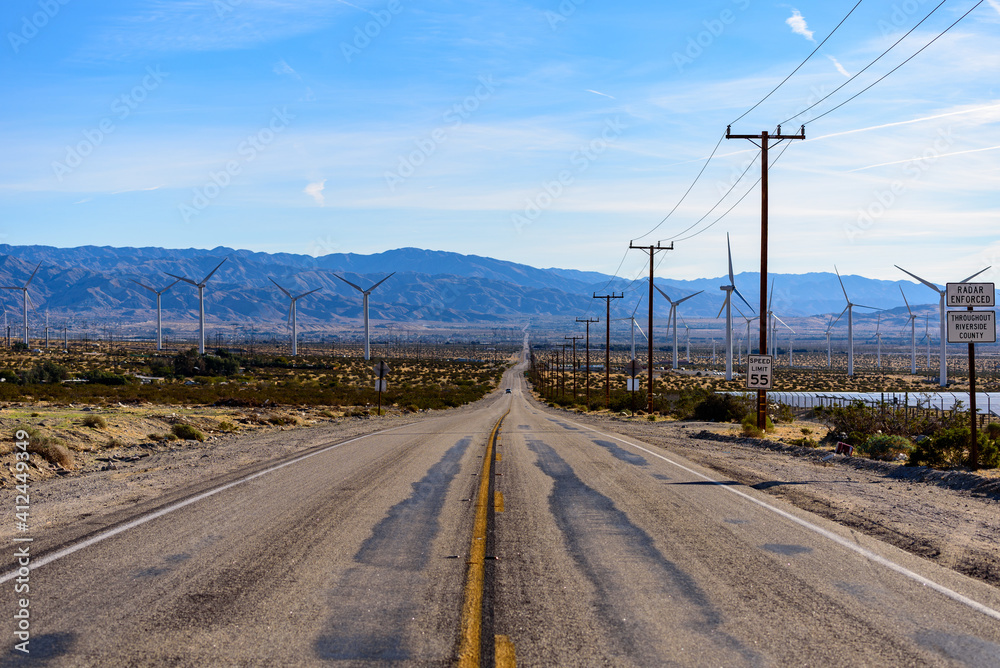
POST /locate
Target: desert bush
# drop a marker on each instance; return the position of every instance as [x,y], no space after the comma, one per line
[226,426]
[170,436]
[723,408]
[993,431]
[101,377]
[44,372]
[155,437]
[783,413]
[50,449]
[885,447]
[947,448]
[187,432]
[282,420]
[94,422]
[750,428]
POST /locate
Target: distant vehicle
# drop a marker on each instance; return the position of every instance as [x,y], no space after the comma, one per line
[507,391]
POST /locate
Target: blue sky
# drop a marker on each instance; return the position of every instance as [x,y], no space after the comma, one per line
[549,133]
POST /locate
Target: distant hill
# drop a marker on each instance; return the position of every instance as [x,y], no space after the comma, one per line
[95,283]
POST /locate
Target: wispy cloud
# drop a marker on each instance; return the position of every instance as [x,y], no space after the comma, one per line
[597,92]
[798,25]
[840,68]
[943,155]
[315,190]
[995,5]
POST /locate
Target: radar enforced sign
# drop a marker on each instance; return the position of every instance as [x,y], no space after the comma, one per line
[759,372]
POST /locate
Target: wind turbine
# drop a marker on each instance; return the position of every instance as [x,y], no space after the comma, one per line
[672,316]
[635,326]
[201,302]
[159,329]
[913,335]
[24,291]
[878,339]
[849,309]
[365,294]
[729,289]
[292,313]
[829,328]
[943,380]
[927,335]
[749,320]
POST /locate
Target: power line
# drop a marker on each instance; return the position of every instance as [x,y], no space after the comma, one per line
[863,90]
[860,72]
[818,46]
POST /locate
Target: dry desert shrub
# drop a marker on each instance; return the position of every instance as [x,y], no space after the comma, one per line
[50,449]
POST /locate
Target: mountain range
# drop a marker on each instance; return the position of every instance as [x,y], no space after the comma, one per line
[434,287]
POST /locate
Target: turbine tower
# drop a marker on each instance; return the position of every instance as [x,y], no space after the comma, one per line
[159,328]
[291,313]
[25,298]
[672,316]
[913,335]
[729,289]
[365,294]
[849,309]
[201,302]
[943,379]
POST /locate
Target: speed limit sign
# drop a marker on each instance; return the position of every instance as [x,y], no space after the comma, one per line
[760,372]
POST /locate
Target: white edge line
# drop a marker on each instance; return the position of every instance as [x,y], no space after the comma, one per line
[49,558]
[840,540]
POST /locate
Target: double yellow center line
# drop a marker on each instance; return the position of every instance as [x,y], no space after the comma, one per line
[469,651]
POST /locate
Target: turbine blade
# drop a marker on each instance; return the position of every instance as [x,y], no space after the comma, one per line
[664,294]
[636,307]
[287,293]
[308,293]
[724,302]
[848,299]
[356,287]
[181,278]
[964,280]
[205,280]
[784,323]
[40,264]
[144,285]
[168,287]
[689,296]
[380,283]
[927,283]
[874,308]
[640,329]
[732,281]
[744,299]
[905,302]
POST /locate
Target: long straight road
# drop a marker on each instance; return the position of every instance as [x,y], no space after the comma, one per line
[604,552]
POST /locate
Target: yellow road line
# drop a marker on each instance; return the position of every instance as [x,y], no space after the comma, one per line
[504,653]
[498,501]
[472,608]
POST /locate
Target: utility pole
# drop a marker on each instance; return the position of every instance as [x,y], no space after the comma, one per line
[764,137]
[649,339]
[588,321]
[574,339]
[562,370]
[607,347]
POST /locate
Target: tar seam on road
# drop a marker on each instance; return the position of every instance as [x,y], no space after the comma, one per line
[843,542]
[470,654]
[49,558]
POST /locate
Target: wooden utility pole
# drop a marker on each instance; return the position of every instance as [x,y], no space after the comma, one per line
[574,339]
[562,370]
[607,346]
[764,138]
[649,339]
[588,321]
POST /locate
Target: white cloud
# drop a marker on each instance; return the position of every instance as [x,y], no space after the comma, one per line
[840,68]
[597,92]
[315,190]
[995,5]
[798,25]
[281,67]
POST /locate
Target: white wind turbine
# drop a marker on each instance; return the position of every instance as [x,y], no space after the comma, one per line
[878,339]
[365,294]
[159,328]
[201,302]
[849,309]
[943,379]
[672,316]
[292,313]
[729,289]
[749,320]
[25,298]
[829,328]
[913,334]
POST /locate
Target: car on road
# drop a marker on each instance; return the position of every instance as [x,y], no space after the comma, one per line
[507,391]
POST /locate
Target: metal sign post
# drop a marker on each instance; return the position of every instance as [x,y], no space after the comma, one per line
[381,370]
[969,327]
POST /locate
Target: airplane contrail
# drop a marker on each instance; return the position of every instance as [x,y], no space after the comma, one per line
[912,120]
[943,155]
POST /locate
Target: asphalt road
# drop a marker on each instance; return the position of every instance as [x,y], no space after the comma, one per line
[607,553]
